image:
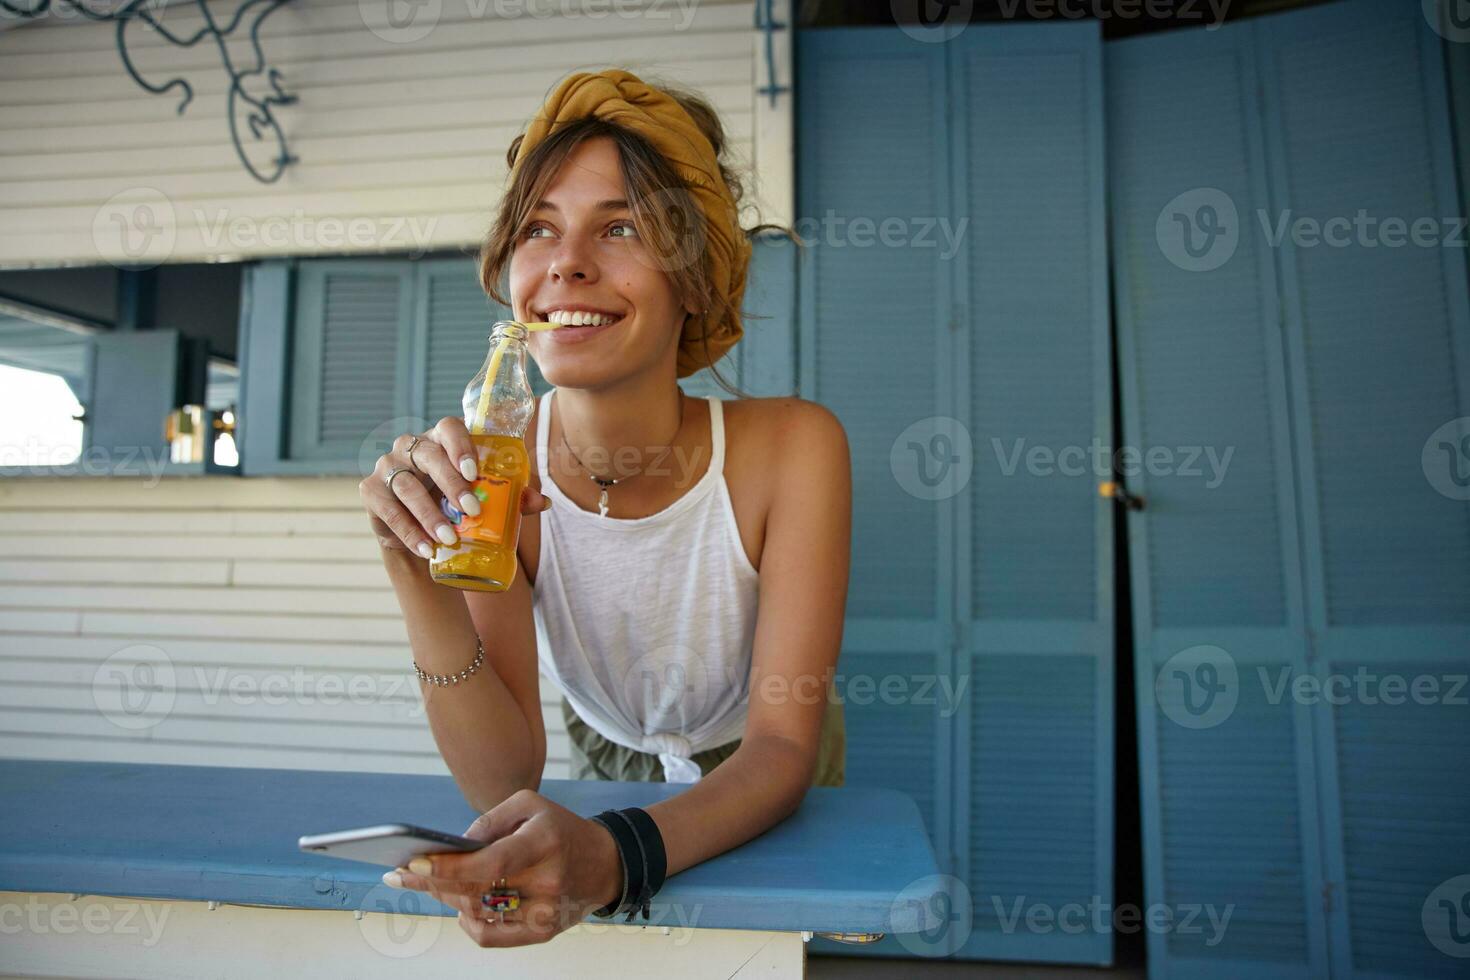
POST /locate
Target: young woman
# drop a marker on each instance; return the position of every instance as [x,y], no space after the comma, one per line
[683,561]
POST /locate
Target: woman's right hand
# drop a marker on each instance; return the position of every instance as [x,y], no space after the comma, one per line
[407,516]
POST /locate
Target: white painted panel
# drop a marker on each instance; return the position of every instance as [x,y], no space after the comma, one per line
[374,107]
[265,599]
[242,942]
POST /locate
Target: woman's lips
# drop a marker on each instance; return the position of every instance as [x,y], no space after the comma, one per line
[579,335]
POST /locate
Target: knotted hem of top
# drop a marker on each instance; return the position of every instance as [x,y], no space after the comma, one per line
[595,757]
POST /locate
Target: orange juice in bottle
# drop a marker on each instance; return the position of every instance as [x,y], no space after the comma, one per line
[498,405]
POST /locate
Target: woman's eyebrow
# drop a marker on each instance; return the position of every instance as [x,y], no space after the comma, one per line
[614,204]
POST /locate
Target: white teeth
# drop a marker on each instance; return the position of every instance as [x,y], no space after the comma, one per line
[579,318]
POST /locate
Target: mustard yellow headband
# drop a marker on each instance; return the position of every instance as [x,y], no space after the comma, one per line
[623,98]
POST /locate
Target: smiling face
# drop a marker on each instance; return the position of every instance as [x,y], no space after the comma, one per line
[580,251]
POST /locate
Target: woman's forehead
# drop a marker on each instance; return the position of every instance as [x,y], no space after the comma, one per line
[592,172]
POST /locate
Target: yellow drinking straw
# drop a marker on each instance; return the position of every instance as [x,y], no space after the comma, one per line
[483,409]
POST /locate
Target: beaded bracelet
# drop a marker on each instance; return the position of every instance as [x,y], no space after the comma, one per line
[445,679]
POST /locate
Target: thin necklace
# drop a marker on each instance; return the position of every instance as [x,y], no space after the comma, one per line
[605,482]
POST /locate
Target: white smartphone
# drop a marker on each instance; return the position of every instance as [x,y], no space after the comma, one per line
[391,844]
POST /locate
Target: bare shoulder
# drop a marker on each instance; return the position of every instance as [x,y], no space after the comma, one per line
[805,435]
[786,415]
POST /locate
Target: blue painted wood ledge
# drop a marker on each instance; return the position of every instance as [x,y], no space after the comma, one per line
[841,863]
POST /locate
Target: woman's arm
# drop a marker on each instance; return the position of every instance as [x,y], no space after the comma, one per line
[488,729]
[483,732]
[798,635]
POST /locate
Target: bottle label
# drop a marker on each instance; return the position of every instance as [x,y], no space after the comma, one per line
[489,526]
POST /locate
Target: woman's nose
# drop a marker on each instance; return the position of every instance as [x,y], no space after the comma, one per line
[572,261]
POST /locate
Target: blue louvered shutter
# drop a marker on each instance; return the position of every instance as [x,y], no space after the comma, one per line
[452,322]
[1228,794]
[873,350]
[1379,348]
[1031,361]
[349,358]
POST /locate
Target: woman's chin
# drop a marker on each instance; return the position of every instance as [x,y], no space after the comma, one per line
[564,369]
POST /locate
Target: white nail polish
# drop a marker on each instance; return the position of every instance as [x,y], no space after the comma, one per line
[393,878]
[467,468]
[469,503]
[425,550]
[446,533]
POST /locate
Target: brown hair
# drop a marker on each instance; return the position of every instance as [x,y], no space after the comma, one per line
[665,214]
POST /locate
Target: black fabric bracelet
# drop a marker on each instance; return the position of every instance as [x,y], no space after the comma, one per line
[655,859]
[631,854]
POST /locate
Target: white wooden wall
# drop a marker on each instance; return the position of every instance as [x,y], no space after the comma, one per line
[390,127]
[229,584]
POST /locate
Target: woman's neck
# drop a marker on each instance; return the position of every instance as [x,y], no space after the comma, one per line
[617,433]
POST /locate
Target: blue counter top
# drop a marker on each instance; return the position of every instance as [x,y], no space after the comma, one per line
[229,834]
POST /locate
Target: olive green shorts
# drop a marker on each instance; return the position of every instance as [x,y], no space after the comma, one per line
[594,757]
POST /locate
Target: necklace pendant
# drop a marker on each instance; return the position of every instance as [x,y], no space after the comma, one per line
[602,502]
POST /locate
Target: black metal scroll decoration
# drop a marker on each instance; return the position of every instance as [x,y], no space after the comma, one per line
[257,111]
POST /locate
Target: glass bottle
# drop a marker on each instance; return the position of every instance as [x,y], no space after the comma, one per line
[498,405]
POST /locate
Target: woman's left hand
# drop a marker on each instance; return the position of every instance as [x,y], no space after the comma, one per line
[563,865]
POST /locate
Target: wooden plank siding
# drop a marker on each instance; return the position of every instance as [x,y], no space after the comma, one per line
[274,636]
[410,134]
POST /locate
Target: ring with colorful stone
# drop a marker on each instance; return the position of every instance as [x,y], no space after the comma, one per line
[501,900]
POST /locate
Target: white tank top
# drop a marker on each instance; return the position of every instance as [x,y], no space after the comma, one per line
[647,623]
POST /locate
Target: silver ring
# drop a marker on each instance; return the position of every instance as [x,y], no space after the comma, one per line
[388,480]
[409,453]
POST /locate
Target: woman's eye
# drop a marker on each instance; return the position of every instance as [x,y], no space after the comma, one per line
[531,231]
[626,226]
